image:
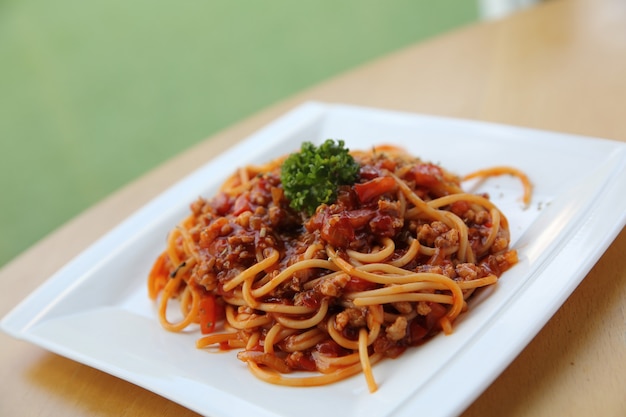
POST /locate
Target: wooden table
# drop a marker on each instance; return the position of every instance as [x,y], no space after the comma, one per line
[558,66]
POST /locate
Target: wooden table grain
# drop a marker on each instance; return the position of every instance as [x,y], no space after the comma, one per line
[558,66]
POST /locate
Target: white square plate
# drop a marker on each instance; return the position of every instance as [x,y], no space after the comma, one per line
[96,311]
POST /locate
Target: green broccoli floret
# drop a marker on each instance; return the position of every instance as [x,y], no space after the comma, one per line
[311,177]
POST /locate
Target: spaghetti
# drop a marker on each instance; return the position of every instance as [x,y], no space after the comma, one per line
[385,267]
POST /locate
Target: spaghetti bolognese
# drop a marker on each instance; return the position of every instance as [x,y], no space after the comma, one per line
[385,265]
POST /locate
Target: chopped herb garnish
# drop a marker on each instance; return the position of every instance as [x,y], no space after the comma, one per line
[312,176]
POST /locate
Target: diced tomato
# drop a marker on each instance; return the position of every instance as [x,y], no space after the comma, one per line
[383,225]
[427,175]
[221,203]
[357,284]
[331,348]
[301,361]
[337,231]
[277,195]
[369,172]
[315,222]
[359,218]
[208,314]
[437,311]
[416,332]
[369,190]
[241,204]
[388,164]
[459,207]
[310,299]
[346,197]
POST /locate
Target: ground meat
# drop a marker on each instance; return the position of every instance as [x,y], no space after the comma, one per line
[427,233]
[482,217]
[353,317]
[245,310]
[469,216]
[403,307]
[243,219]
[467,271]
[197,206]
[499,245]
[423,308]
[397,330]
[445,268]
[389,207]
[333,287]
[240,239]
[203,275]
[448,239]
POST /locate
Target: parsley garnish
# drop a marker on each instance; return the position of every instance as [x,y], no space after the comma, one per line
[311,177]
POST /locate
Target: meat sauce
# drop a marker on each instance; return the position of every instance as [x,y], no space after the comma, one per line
[234,231]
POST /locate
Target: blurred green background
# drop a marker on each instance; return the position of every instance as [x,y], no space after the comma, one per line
[95,93]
